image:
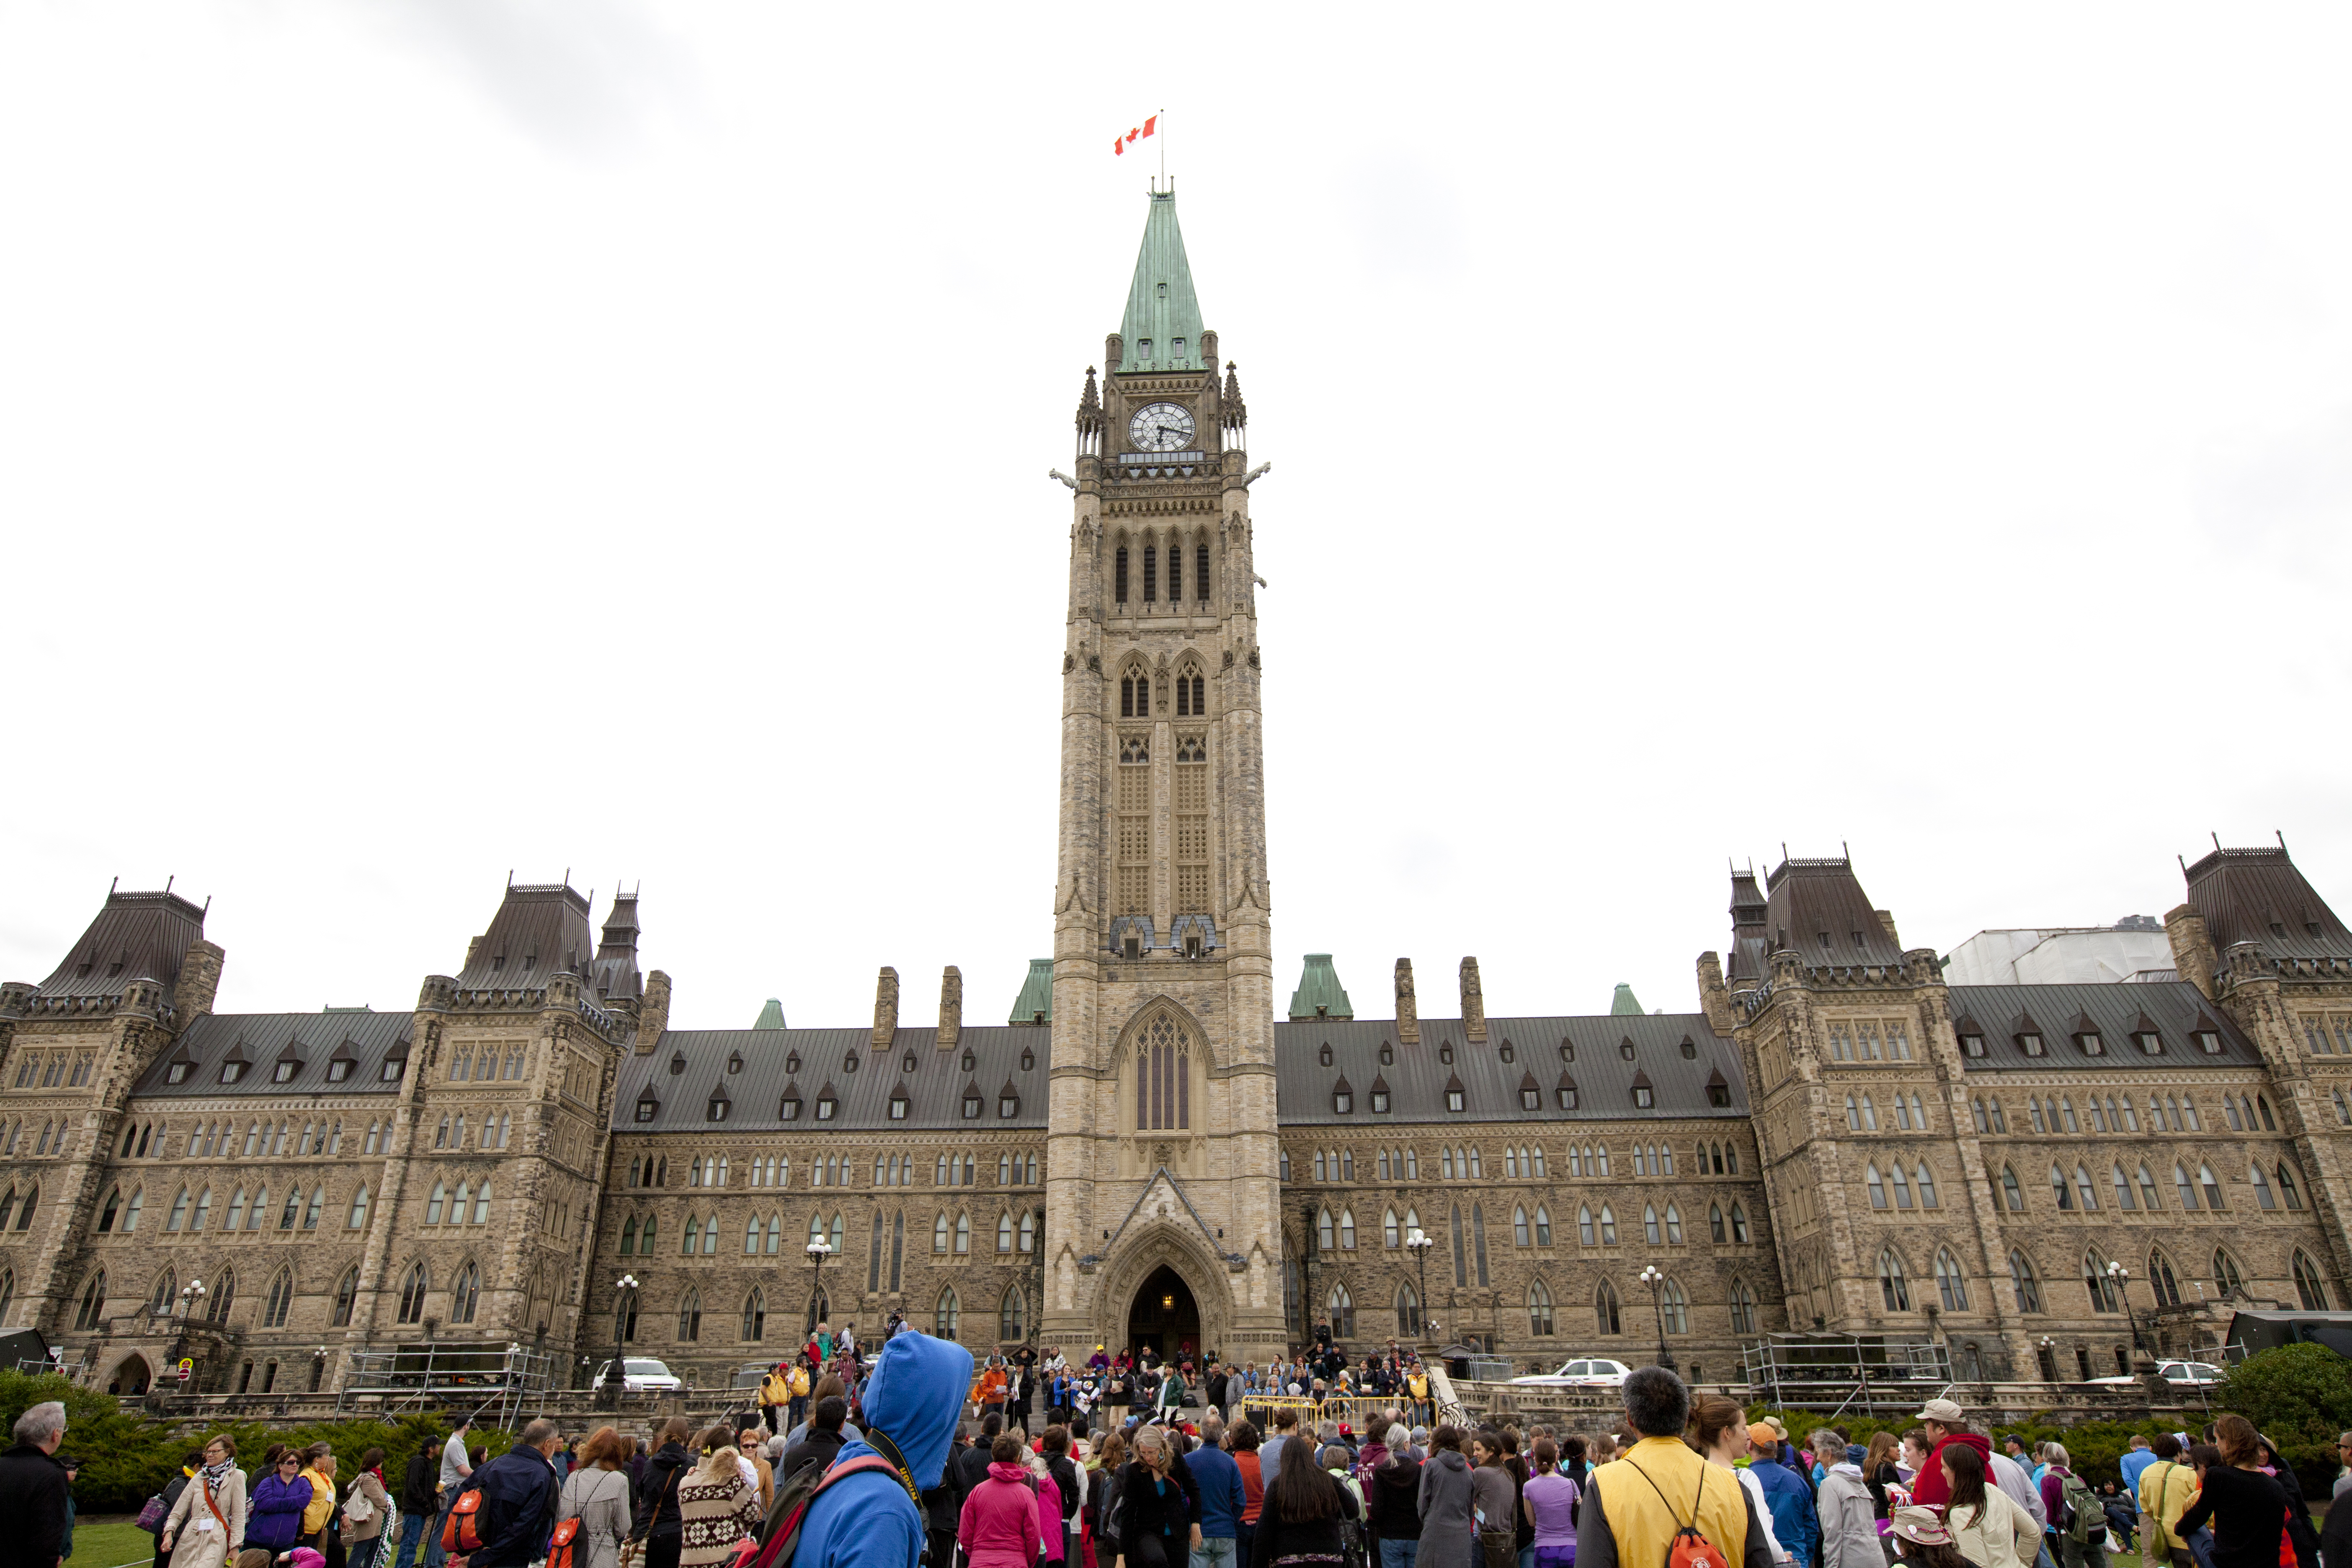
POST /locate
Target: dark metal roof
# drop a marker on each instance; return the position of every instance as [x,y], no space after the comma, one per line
[614,973]
[1813,898]
[2258,895]
[1417,1080]
[934,1089]
[1750,920]
[2175,1010]
[261,1038]
[537,932]
[136,936]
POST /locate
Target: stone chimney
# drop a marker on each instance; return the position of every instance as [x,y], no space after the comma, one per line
[886,1007]
[1408,1012]
[199,982]
[2192,947]
[1887,924]
[653,1018]
[1473,1002]
[950,1006]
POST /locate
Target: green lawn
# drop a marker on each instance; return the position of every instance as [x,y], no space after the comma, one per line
[110,1540]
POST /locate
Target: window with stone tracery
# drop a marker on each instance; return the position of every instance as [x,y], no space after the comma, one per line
[1132,895]
[1163,1090]
[1192,782]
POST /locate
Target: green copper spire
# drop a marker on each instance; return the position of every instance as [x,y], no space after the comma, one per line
[1035,1003]
[1623,1005]
[1319,995]
[1162,328]
[771,1017]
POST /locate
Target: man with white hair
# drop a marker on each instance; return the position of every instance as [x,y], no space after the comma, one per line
[33,1490]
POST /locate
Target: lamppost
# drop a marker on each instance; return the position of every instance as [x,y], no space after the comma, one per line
[1419,1244]
[2119,1281]
[192,1296]
[625,1291]
[818,1252]
[1656,1281]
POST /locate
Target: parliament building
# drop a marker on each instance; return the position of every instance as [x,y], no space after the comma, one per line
[2032,1155]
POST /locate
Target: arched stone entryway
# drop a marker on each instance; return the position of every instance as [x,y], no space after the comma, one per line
[1161,1249]
[131,1376]
[1163,1316]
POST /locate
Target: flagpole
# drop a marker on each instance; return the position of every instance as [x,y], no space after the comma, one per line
[1163,147]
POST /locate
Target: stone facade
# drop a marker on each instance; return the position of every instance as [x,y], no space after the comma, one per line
[1833,1138]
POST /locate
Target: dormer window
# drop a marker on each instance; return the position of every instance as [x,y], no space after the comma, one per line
[1530,1100]
[898,1106]
[1379,1102]
[734,1064]
[1324,1056]
[907,1063]
[1510,1052]
[719,1106]
[676,1063]
[1718,1095]
[1143,345]
[339,1069]
[789,1108]
[970,1061]
[1008,1106]
[2030,1044]
[2149,1042]
[1445,1052]
[1568,1096]
[1690,1049]
[2092,1045]
[178,1072]
[232,1071]
[1644,1096]
[285,1070]
[1028,1059]
[825,1106]
[2209,1041]
[792,1061]
[1625,1050]
[393,1065]
[1972,1045]
[1453,1099]
[970,1104]
[1388,1055]
[849,1062]
[1176,347]
[1342,1102]
[647,1107]
[1568,1050]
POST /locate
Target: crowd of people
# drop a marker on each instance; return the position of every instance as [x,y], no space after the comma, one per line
[921,1458]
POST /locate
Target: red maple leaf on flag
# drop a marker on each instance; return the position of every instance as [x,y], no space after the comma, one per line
[1120,143]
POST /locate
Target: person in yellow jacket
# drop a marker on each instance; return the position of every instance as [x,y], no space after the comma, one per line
[319,1469]
[800,1388]
[1632,1510]
[775,1392]
[2167,1489]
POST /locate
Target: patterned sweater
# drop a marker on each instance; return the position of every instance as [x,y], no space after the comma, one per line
[715,1511]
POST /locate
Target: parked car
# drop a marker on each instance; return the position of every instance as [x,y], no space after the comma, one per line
[2189,1372]
[751,1374]
[642,1375]
[1589,1373]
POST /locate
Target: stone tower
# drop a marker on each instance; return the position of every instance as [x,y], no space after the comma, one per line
[1162,1212]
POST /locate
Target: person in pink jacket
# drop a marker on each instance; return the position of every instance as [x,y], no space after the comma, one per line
[998,1527]
[1049,1504]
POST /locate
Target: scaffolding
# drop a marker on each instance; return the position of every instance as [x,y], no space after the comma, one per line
[511,1378]
[1836,1372]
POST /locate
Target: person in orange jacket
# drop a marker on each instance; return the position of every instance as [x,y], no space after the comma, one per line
[988,1393]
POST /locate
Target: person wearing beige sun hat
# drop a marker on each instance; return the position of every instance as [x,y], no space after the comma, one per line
[1945,1423]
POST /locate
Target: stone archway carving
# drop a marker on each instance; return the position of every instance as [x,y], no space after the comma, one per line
[1176,1242]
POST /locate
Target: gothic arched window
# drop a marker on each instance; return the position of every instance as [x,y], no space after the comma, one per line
[1949,1285]
[347,1291]
[1894,1290]
[1163,1094]
[92,1310]
[1150,574]
[1606,1319]
[1118,576]
[467,1294]
[755,1318]
[411,1294]
[279,1298]
[689,1317]
[2307,1287]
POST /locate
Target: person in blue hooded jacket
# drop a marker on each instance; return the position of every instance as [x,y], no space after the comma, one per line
[911,1400]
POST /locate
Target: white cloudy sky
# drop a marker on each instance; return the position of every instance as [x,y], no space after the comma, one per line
[464,435]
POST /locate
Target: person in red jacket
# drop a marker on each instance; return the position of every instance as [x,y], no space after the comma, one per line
[1945,1424]
[997,1526]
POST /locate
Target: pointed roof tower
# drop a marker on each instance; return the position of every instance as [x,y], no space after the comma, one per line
[1035,1003]
[1162,330]
[771,1017]
[1319,993]
[1624,1005]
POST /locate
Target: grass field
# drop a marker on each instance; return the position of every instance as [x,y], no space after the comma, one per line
[110,1540]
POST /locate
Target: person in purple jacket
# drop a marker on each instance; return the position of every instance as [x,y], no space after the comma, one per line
[273,1517]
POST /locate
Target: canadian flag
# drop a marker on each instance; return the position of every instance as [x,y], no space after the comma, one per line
[1120,143]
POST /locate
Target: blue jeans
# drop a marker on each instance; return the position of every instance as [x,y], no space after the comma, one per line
[1399,1553]
[1528,1557]
[411,1530]
[1215,1552]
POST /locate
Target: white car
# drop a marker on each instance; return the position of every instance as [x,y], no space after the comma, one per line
[2189,1372]
[1578,1374]
[641,1376]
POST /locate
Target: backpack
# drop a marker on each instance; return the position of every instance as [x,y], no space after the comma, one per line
[2083,1521]
[461,1532]
[1688,1549]
[781,1536]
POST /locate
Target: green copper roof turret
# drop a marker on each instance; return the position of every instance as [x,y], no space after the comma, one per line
[1623,1005]
[1036,1003]
[1162,327]
[771,1017]
[1319,995]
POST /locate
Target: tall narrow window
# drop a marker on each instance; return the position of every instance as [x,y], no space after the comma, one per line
[1163,1068]
[1201,573]
[1478,1238]
[1150,574]
[1133,892]
[347,1291]
[1461,1265]
[411,1294]
[1606,1318]
[1191,785]
[1175,573]
[1892,1289]
[1118,577]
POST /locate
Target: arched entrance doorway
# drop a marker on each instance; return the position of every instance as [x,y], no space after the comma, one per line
[129,1377]
[1164,1316]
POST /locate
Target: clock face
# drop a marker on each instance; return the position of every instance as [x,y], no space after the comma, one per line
[1160,427]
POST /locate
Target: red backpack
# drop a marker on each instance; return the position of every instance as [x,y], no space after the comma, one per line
[1688,1549]
[461,1532]
[783,1536]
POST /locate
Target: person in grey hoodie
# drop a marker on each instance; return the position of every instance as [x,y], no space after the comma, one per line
[1448,1534]
[1849,1517]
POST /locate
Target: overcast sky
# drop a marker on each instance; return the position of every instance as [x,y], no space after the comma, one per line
[444,438]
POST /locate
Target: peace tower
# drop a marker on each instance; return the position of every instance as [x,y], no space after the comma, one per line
[1162,1151]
